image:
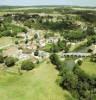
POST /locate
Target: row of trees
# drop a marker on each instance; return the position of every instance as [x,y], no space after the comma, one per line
[74,35]
[65,24]
[81,85]
[79,34]
[8,29]
[55,26]
[12,31]
[45,22]
[61,45]
[89,17]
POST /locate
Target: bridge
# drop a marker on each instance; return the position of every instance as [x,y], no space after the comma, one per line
[76,54]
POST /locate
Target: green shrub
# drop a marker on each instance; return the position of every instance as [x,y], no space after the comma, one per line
[27,65]
[10,61]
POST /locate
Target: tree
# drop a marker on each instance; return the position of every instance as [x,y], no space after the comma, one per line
[24,30]
[79,62]
[27,65]
[80,73]
[8,19]
[90,30]
[36,53]
[90,50]
[66,49]
[55,60]
[93,58]
[91,40]
[28,23]
[46,36]
[70,81]
[16,42]
[26,41]
[61,44]
[1,59]
[36,36]
[10,61]
[6,33]
[54,48]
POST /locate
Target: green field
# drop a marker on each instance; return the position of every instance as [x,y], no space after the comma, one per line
[89,67]
[38,84]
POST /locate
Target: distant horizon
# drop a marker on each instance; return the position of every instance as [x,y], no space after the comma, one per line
[40,5]
[47,6]
[82,3]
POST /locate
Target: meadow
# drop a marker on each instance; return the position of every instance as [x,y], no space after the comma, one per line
[40,84]
[89,67]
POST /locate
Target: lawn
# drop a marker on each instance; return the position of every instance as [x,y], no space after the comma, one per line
[38,84]
[89,67]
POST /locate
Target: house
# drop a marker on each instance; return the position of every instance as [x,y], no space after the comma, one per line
[42,42]
[33,46]
[26,51]
[24,56]
[52,40]
[21,34]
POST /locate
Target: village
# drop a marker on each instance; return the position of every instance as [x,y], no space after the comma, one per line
[31,45]
[47,53]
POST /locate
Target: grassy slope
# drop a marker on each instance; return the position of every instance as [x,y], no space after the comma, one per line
[78,45]
[38,84]
[5,41]
[89,67]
